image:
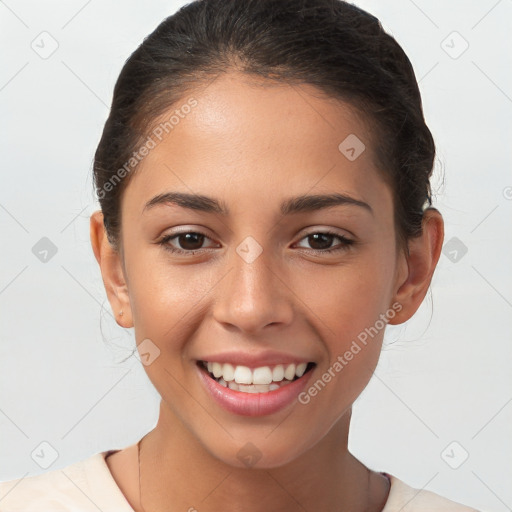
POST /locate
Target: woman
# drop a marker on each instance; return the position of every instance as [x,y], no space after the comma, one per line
[263,179]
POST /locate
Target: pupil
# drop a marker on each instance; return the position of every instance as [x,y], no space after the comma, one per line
[191,238]
[318,236]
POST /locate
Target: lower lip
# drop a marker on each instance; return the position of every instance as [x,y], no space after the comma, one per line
[253,404]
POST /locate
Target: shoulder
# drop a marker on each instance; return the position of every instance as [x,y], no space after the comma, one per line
[86,485]
[404,498]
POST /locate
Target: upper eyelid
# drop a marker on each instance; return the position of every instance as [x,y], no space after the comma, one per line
[326,231]
[302,232]
[309,230]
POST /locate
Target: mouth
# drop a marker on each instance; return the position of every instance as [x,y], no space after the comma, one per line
[263,379]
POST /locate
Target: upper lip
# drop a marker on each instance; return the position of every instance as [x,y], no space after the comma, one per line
[267,358]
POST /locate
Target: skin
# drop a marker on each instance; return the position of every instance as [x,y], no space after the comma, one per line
[253,145]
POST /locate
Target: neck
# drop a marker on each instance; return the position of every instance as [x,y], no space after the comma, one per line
[177,473]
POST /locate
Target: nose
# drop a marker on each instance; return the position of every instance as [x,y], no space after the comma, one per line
[253,296]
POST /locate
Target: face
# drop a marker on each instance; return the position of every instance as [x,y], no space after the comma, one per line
[255,278]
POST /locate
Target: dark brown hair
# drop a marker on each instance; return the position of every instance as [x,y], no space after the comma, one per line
[330,44]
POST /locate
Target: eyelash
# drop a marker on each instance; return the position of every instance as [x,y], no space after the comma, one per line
[345,243]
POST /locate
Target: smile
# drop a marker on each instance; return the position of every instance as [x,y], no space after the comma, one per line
[262,379]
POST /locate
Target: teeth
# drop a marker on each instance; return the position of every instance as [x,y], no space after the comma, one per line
[278,373]
[247,388]
[262,375]
[301,368]
[243,375]
[228,372]
[289,373]
[234,376]
[217,370]
[253,388]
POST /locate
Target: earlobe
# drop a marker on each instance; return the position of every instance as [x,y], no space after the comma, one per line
[112,271]
[419,266]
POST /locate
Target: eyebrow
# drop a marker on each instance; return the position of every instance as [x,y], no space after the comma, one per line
[304,203]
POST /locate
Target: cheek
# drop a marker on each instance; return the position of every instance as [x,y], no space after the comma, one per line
[352,333]
[350,298]
[168,304]
[350,309]
[167,300]
[351,306]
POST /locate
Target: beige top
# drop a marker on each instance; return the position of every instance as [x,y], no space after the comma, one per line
[88,485]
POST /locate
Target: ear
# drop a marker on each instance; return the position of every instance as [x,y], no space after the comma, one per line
[112,271]
[416,268]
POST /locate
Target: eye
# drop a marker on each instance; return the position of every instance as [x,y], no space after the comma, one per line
[321,241]
[189,242]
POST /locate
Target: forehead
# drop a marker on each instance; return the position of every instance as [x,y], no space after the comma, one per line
[256,140]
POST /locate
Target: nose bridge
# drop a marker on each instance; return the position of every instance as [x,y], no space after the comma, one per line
[253,296]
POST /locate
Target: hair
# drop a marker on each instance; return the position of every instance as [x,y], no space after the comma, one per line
[332,45]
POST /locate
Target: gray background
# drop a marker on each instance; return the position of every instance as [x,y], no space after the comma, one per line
[442,391]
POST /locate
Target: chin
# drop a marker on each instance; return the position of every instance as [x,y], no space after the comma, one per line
[258,452]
